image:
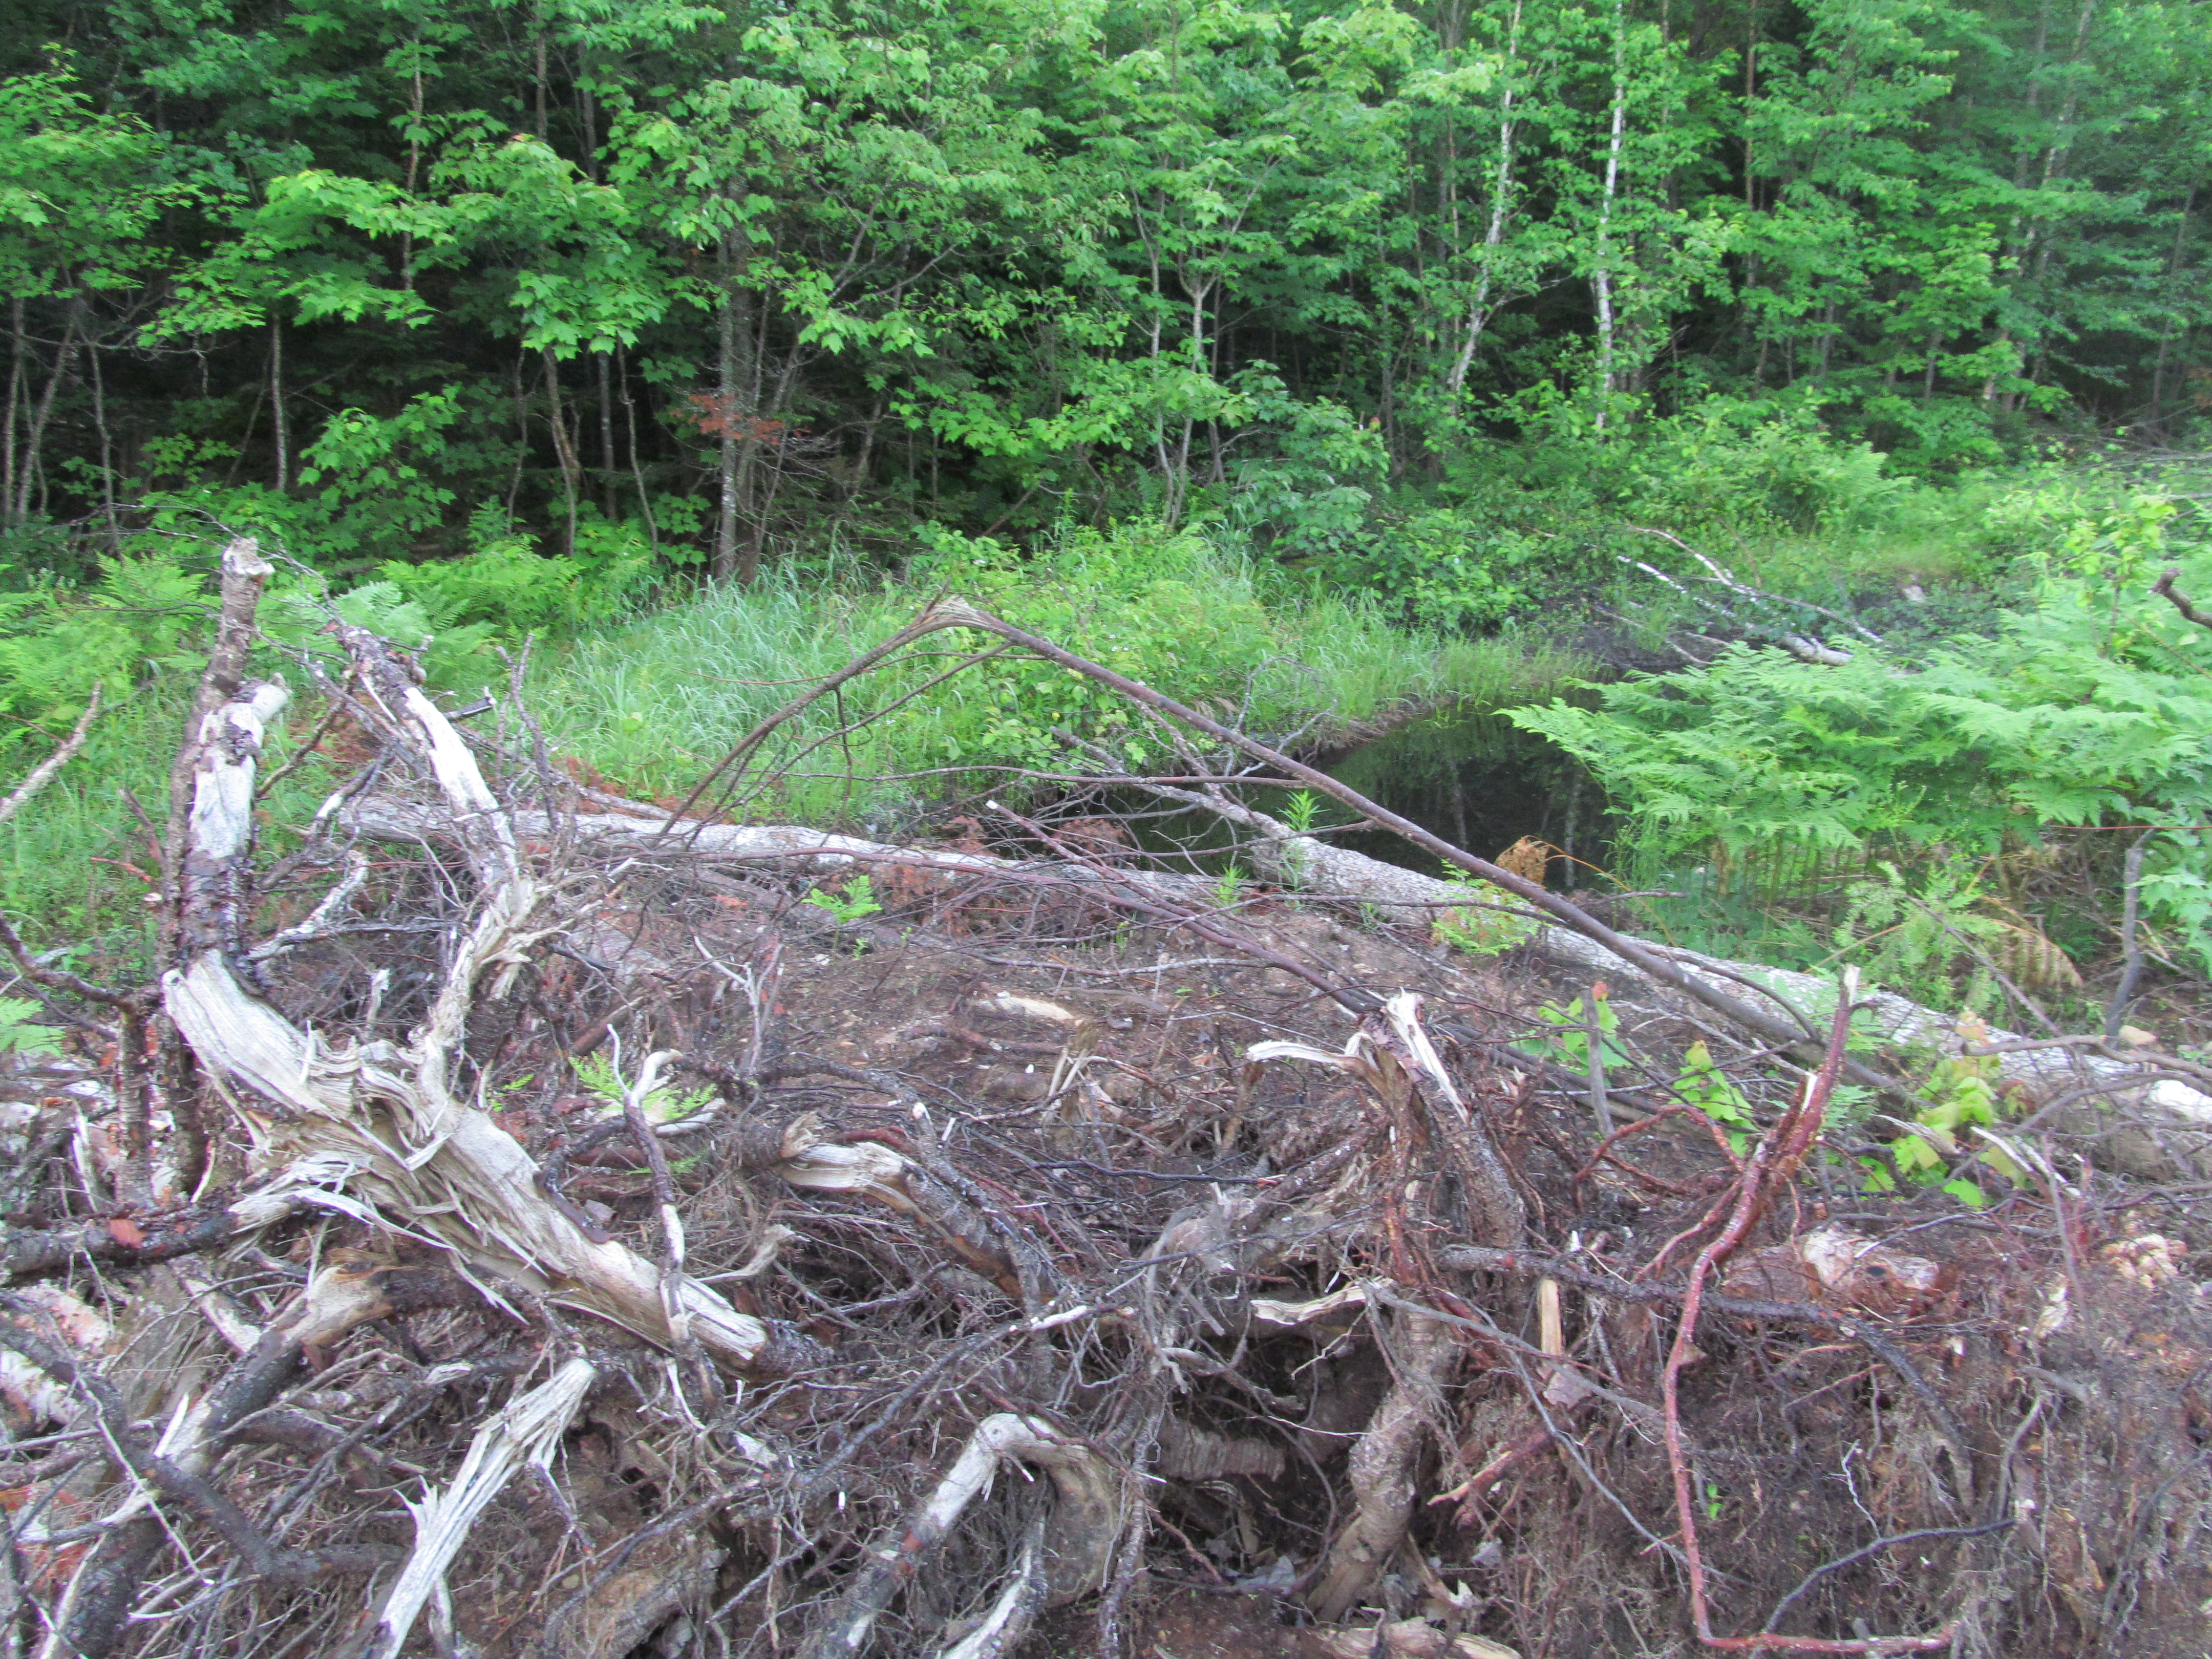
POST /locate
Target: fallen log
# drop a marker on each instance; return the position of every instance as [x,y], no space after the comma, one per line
[2044,1070]
[1314,867]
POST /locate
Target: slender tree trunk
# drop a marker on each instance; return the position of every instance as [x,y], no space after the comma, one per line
[727,397]
[1479,310]
[14,402]
[2043,236]
[521,434]
[1750,92]
[276,421]
[107,450]
[564,448]
[1601,279]
[857,478]
[749,558]
[2166,334]
[32,468]
[636,466]
[765,434]
[538,55]
[414,163]
[606,432]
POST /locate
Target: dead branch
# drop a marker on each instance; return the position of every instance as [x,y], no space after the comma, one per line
[458,1174]
[43,774]
[1080,1539]
[2164,588]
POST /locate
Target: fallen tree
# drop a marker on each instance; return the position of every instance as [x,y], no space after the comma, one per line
[576,1239]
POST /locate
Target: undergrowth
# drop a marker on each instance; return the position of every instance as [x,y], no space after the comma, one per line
[652,702]
[646,701]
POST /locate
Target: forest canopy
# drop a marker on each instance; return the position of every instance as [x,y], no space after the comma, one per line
[641,284]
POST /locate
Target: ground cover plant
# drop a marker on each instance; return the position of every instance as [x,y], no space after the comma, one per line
[1934,817]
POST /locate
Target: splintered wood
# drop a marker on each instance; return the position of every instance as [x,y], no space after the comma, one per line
[508,1229]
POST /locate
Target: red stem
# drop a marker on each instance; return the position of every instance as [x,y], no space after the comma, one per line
[1775,1160]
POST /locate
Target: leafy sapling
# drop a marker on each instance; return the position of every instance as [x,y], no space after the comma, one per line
[598,1077]
[859,900]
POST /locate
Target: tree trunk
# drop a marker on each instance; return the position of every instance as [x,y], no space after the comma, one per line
[564,449]
[1479,310]
[62,359]
[2166,335]
[1601,279]
[106,452]
[14,400]
[636,467]
[606,433]
[277,403]
[726,404]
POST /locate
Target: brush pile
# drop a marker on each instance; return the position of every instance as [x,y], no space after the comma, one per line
[517,1223]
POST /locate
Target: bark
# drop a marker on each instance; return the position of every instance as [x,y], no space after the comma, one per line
[1382,1465]
[392,1124]
[727,397]
[244,574]
[278,422]
[62,359]
[1601,279]
[564,448]
[1078,1544]
[14,401]
[1479,309]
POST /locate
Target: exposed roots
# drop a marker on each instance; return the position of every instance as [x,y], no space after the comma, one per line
[541,1235]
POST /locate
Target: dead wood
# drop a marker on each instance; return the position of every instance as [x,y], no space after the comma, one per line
[631,1258]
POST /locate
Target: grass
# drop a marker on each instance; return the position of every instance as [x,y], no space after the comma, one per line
[653,703]
[78,864]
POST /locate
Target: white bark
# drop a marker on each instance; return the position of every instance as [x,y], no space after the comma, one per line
[526,1432]
[1601,279]
[382,1122]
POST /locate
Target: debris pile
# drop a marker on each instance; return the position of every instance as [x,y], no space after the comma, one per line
[515,1222]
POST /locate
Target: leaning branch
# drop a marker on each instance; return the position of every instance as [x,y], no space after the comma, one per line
[2165,589]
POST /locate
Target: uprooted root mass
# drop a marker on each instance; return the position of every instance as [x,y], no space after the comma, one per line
[552,1246]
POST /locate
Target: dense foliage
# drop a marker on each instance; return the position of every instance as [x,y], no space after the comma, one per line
[399,280]
[1928,789]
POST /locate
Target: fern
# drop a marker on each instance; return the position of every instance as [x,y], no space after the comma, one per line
[2089,706]
[17,1033]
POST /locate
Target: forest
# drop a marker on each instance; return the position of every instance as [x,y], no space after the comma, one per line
[397,283]
[991,828]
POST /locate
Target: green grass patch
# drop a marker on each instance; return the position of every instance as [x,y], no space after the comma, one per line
[654,703]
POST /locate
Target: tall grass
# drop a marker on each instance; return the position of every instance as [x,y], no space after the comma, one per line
[78,864]
[653,703]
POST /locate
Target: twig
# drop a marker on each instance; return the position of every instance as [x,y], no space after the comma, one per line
[1880,1544]
[43,773]
[1727,579]
[317,923]
[633,1096]
[1594,1034]
[1772,1163]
